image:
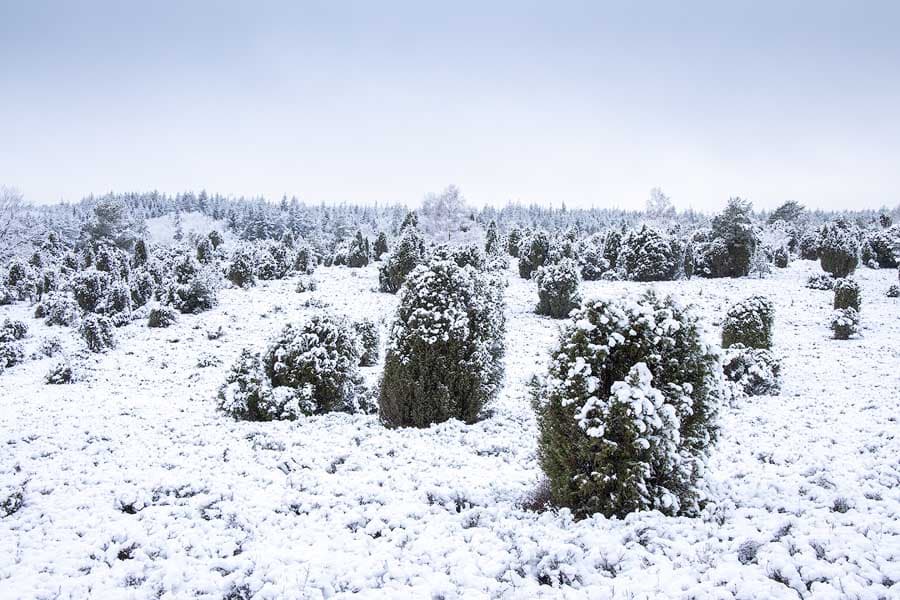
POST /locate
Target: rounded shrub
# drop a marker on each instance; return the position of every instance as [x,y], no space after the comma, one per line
[161,316]
[306,284]
[893,291]
[557,287]
[847,294]
[445,350]
[844,323]
[749,322]
[97,331]
[820,282]
[752,371]
[246,393]
[627,413]
[11,354]
[240,268]
[647,255]
[12,330]
[534,250]
[317,361]
[60,373]
[60,309]
[838,248]
[90,288]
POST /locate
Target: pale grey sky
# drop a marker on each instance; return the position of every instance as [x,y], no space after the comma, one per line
[587,103]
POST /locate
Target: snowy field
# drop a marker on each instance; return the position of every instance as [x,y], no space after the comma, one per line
[136,487]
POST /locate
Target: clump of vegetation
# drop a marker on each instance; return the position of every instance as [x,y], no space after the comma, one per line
[306,284]
[162,316]
[847,294]
[647,255]
[60,373]
[845,323]
[97,332]
[557,286]
[408,253]
[627,413]
[749,322]
[820,282]
[838,248]
[752,371]
[534,251]
[367,332]
[445,351]
[307,369]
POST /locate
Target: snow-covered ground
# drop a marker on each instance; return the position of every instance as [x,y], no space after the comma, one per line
[136,487]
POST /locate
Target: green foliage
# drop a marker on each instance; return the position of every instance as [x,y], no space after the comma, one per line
[733,230]
[789,212]
[627,411]
[845,323]
[408,253]
[240,269]
[557,287]
[381,246]
[647,255]
[97,332]
[847,294]
[358,253]
[444,357]
[492,239]
[749,322]
[162,316]
[752,371]
[838,248]
[367,333]
[534,251]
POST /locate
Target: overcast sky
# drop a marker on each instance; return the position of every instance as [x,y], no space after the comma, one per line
[587,103]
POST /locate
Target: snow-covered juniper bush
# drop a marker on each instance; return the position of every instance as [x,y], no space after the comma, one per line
[305,283]
[751,371]
[844,323]
[647,255]
[97,331]
[534,251]
[627,413]
[445,351]
[408,253]
[60,373]
[161,316]
[893,291]
[838,248]
[367,333]
[307,369]
[820,282]
[558,288]
[749,322]
[240,269]
[358,251]
[847,294]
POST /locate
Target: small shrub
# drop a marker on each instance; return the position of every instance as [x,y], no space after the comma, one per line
[444,357]
[534,251]
[317,363]
[246,393]
[306,284]
[647,255]
[557,286]
[90,288]
[97,331]
[749,322]
[893,291]
[198,295]
[60,373]
[367,333]
[240,269]
[50,346]
[838,248]
[781,258]
[408,253]
[358,252]
[752,372]
[380,247]
[847,294]
[161,316]
[11,354]
[845,323]
[627,411]
[13,330]
[820,282]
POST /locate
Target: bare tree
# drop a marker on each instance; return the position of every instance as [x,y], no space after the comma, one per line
[15,230]
[659,206]
[444,212]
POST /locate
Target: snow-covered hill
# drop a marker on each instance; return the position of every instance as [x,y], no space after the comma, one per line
[134,486]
